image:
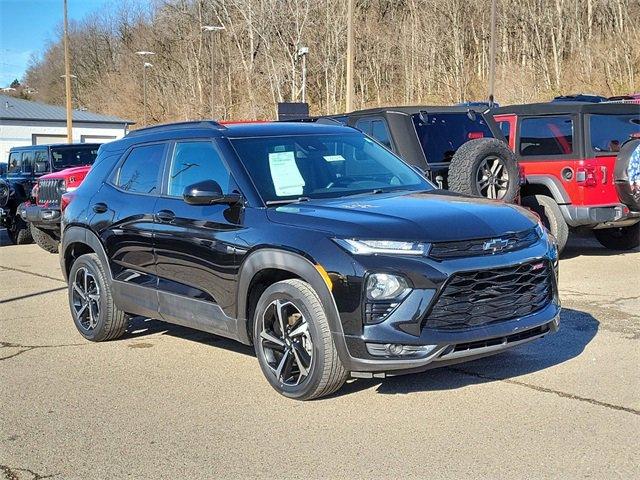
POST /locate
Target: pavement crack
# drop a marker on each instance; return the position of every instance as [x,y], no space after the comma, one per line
[28,348]
[548,390]
[11,473]
[32,273]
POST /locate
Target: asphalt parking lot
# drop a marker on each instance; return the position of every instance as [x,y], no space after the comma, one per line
[169,402]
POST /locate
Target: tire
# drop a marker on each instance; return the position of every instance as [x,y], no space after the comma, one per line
[551,216]
[624,238]
[325,373]
[44,240]
[19,232]
[485,167]
[101,320]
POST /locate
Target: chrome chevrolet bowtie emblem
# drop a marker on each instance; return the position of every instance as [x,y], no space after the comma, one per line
[496,245]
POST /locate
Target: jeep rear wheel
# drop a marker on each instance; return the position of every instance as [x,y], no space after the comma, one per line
[94,313]
[622,238]
[551,216]
[485,167]
[44,239]
[19,232]
[293,342]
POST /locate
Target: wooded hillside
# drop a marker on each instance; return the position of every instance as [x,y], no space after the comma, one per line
[407,52]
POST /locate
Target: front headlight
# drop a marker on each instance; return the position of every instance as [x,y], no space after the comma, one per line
[389,247]
[385,286]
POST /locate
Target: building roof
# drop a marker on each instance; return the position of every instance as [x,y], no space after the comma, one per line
[12,108]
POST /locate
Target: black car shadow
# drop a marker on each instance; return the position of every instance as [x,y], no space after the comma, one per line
[584,244]
[577,329]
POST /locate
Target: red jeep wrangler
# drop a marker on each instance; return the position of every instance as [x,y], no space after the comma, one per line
[43,216]
[576,175]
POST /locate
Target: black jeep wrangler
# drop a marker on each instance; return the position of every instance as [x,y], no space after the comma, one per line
[312,242]
[26,165]
[457,147]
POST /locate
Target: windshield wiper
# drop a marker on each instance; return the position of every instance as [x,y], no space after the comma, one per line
[291,200]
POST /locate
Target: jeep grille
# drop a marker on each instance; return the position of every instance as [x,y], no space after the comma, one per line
[49,191]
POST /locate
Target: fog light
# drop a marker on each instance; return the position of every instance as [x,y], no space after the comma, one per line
[397,350]
[385,286]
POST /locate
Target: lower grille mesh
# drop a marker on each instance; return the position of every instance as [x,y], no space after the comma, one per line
[472,299]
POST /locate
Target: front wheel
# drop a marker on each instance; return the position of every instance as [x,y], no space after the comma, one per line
[293,342]
[19,232]
[44,239]
[621,238]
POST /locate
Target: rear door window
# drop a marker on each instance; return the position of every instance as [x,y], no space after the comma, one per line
[380,132]
[546,136]
[609,132]
[140,172]
[28,161]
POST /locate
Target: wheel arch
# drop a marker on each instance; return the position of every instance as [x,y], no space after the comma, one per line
[278,265]
[545,185]
[77,241]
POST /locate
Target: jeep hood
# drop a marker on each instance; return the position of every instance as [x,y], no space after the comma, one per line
[79,171]
[435,216]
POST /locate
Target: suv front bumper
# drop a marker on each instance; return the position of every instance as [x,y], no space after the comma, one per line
[409,324]
[45,218]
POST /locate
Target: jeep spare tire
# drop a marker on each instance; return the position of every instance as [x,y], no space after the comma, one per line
[626,174]
[485,167]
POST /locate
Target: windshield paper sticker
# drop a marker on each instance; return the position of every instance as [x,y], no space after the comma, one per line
[285,174]
[334,158]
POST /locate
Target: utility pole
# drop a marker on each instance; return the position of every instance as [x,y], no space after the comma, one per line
[492,55]
[67,76]
[212,29]
[349,105]
[145,65]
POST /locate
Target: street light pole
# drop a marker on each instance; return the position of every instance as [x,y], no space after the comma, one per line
[145,65]
[212,29]
[349,95]
[303,52]
[492,54]
[67,76]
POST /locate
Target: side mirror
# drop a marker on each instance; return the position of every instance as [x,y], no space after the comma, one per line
[208,192]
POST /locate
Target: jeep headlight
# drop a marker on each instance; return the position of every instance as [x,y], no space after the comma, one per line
[388,247]
[385,286]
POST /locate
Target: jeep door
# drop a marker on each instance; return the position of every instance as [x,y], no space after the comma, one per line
[196,261]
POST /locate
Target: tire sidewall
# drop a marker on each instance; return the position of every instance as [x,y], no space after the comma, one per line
[89,261]
[287,292]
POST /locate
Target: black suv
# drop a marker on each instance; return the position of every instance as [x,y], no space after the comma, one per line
[312,242]
[26,165]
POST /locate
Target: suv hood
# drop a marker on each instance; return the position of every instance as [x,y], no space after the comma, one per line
[82,170]
[436,216]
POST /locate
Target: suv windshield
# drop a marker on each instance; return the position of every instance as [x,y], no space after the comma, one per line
[323,166]
[73,156]
[441,134]
[609,132]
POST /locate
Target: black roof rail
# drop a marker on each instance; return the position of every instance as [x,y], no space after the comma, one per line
[165,127]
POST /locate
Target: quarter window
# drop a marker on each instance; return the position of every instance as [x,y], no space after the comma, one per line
[380,132]
[193,162]
[550,136]
[609,132]
[140,171]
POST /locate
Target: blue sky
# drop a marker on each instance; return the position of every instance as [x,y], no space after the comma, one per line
[27,25]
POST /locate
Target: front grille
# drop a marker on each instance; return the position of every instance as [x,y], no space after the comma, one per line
[484,246]
[48,191]
[481,297]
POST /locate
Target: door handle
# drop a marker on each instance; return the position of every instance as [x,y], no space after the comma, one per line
[100,207]
[165,216]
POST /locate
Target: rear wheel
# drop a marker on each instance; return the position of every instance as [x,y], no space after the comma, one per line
[19,232]
[94,313]
[293,342]
[44,239]
[551,216]
[622,238]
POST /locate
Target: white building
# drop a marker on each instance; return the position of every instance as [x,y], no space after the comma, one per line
[23,122]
